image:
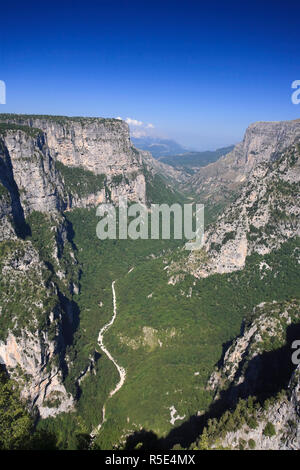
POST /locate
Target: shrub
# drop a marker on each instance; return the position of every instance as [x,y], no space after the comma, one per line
[242,444]
[251,444]
[269,430]
[252,423]
[228,236]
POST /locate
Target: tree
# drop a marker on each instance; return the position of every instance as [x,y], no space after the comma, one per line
[251,444]
[269,430]
[15,422]
[203,443]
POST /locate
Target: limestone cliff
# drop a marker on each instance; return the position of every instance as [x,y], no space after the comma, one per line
[275,426]
[32,345]
[101,146]
[49,165]
[34,274]
[6,216]
[262,217]
[263,142]
[259,364]
[29,172]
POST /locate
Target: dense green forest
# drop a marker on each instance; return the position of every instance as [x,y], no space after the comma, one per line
[168,337]
[79,181]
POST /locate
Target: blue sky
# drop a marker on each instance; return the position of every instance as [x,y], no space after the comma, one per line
[198,73]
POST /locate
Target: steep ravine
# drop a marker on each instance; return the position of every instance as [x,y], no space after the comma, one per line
[48,165]
[41,177]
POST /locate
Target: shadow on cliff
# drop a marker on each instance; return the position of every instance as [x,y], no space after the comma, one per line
[22,229]
[264,376]
[71,308]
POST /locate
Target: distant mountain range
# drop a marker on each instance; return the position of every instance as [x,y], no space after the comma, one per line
[158,147]
[174,154]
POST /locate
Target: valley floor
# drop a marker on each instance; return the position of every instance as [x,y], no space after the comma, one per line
[168,337]
[121,370]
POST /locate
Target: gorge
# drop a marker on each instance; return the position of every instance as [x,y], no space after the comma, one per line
[94,344]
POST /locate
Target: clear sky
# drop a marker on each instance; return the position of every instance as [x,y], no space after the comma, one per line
[198,71]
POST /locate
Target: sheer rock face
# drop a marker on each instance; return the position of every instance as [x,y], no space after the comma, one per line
[29,172]
[98,145]
[30,182]
[6,228]
[32,345]
[242,365]
[245,372]
[41,385]
[33,348]
[263,142]
[101,146]
[263,216]
[283,415]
